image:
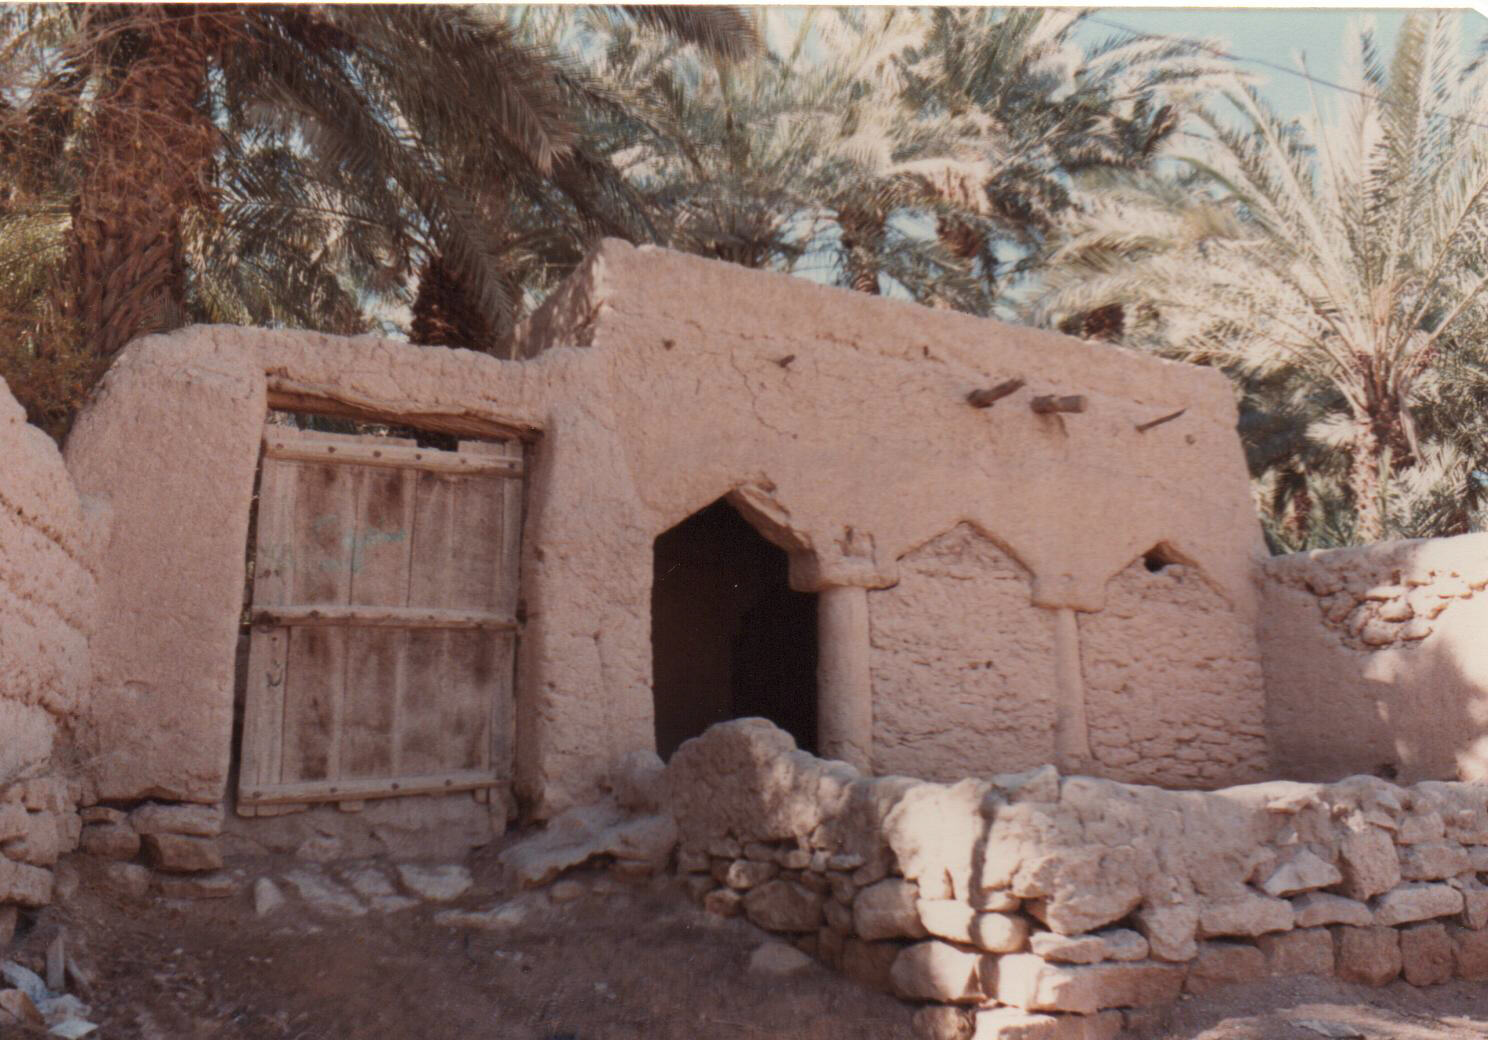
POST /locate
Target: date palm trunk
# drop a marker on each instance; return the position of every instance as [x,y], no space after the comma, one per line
[150,161]
[445,314]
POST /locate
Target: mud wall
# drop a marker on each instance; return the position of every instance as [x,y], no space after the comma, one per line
[1045,905]
[48,544]
[1376,661]
[836,424]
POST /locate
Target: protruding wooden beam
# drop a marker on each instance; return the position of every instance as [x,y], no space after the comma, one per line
[1051,403]
[987,397]
[1144,427]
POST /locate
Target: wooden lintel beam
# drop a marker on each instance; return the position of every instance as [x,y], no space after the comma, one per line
[382,617]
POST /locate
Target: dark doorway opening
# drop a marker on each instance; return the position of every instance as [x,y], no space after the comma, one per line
[729,637]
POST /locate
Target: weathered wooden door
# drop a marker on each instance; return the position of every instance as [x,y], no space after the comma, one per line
[383,620]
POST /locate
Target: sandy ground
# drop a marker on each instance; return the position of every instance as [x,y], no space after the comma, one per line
[627,959]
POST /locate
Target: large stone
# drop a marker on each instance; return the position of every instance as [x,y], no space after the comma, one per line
[638,781]
[938,1022]
[110,841]
[18,1009]
[1368,955]
[935,831]
[24,884]
[784,906]
[197,886]
[887,910]
[1033,984]
[583,832]
[937,970]
[1370,864]
[1432,861]
[370,882]
[1223,963]
[1320,908]
[204,821]
[1306,951]
[1469,952]
[1170,931]
[1246,915]
[42,842]
[438,884]
[1079,890]
[723,902]
[182,854]
[999,933]
[1416,901]
[1013,1024]
[1302,873]
[1474,901]
[1426,954]
[325,894]
[1117,944]
[266,897]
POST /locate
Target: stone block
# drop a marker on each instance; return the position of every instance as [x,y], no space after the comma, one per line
[24,884]
[1419,828]
[197,886]
[110,841]
[127,879]
[1302,873]
[158,819]
[1469,952]
[1427,957]
[744,874]
[887,910]
[1080,889]
[1368,955]
[1369,863]
[1320,908]
[1223,963]
[1170,931]
[1474,901]
[1305,951]
[1116,944]
[1033,984]
[182,854]
[1248,915]
[1013,1024]
[1416,901]
[784,906]
[938,971]
[725,902]
[946,918]
[1433,861]
[42,842]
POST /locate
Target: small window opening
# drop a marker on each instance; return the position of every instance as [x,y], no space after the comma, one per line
[1158,558]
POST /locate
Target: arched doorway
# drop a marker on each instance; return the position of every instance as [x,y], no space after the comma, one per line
[729,637]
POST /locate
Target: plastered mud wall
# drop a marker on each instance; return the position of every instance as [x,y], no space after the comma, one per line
[657,383]
[48,544]
[1376,659]
[1039,905]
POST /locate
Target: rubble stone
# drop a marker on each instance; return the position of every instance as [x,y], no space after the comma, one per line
[1248,915]
[939,1022]
[1426,954]
[784,906]
[1319,908]
[182,854]
[24,884]
[128,879]
[1170,931]
[438,884]
[724,902]
[870,963]
[1368,955]
[1222,963]
[1469,952]
[1432,861]
[778,958]
[1305,951]
[1370,864]
[887,910]
[744,874]
[1033,984]
[1416,901]
[1013,1024]
[204,821]
[197,886]
[936,970]
[1302,873]
[110,841]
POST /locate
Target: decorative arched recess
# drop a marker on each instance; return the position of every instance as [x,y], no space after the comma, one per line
[963,664]
[1172,678]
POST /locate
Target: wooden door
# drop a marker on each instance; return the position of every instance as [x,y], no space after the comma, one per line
[384,632]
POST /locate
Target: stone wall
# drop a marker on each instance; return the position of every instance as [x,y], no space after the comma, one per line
[1384,644]
[1044,905]
[48,545]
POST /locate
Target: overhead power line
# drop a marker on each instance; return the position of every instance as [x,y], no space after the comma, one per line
[1220,52]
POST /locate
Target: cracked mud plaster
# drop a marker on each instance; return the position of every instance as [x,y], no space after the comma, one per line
[46,594]
[963,664]
[1173,690]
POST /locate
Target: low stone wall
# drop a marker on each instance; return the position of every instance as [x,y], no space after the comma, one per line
[1382,643]
[48,546]
[1045,907]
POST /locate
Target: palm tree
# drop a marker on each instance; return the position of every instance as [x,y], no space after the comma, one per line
[368,101]
[1344,260]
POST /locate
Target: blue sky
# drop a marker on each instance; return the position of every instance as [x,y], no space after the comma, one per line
[1275,35]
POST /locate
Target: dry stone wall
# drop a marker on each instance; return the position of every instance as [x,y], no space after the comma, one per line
[1384,643]
[1036,905]
[48,543]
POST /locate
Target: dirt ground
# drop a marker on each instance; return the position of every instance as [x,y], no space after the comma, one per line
[626,960]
